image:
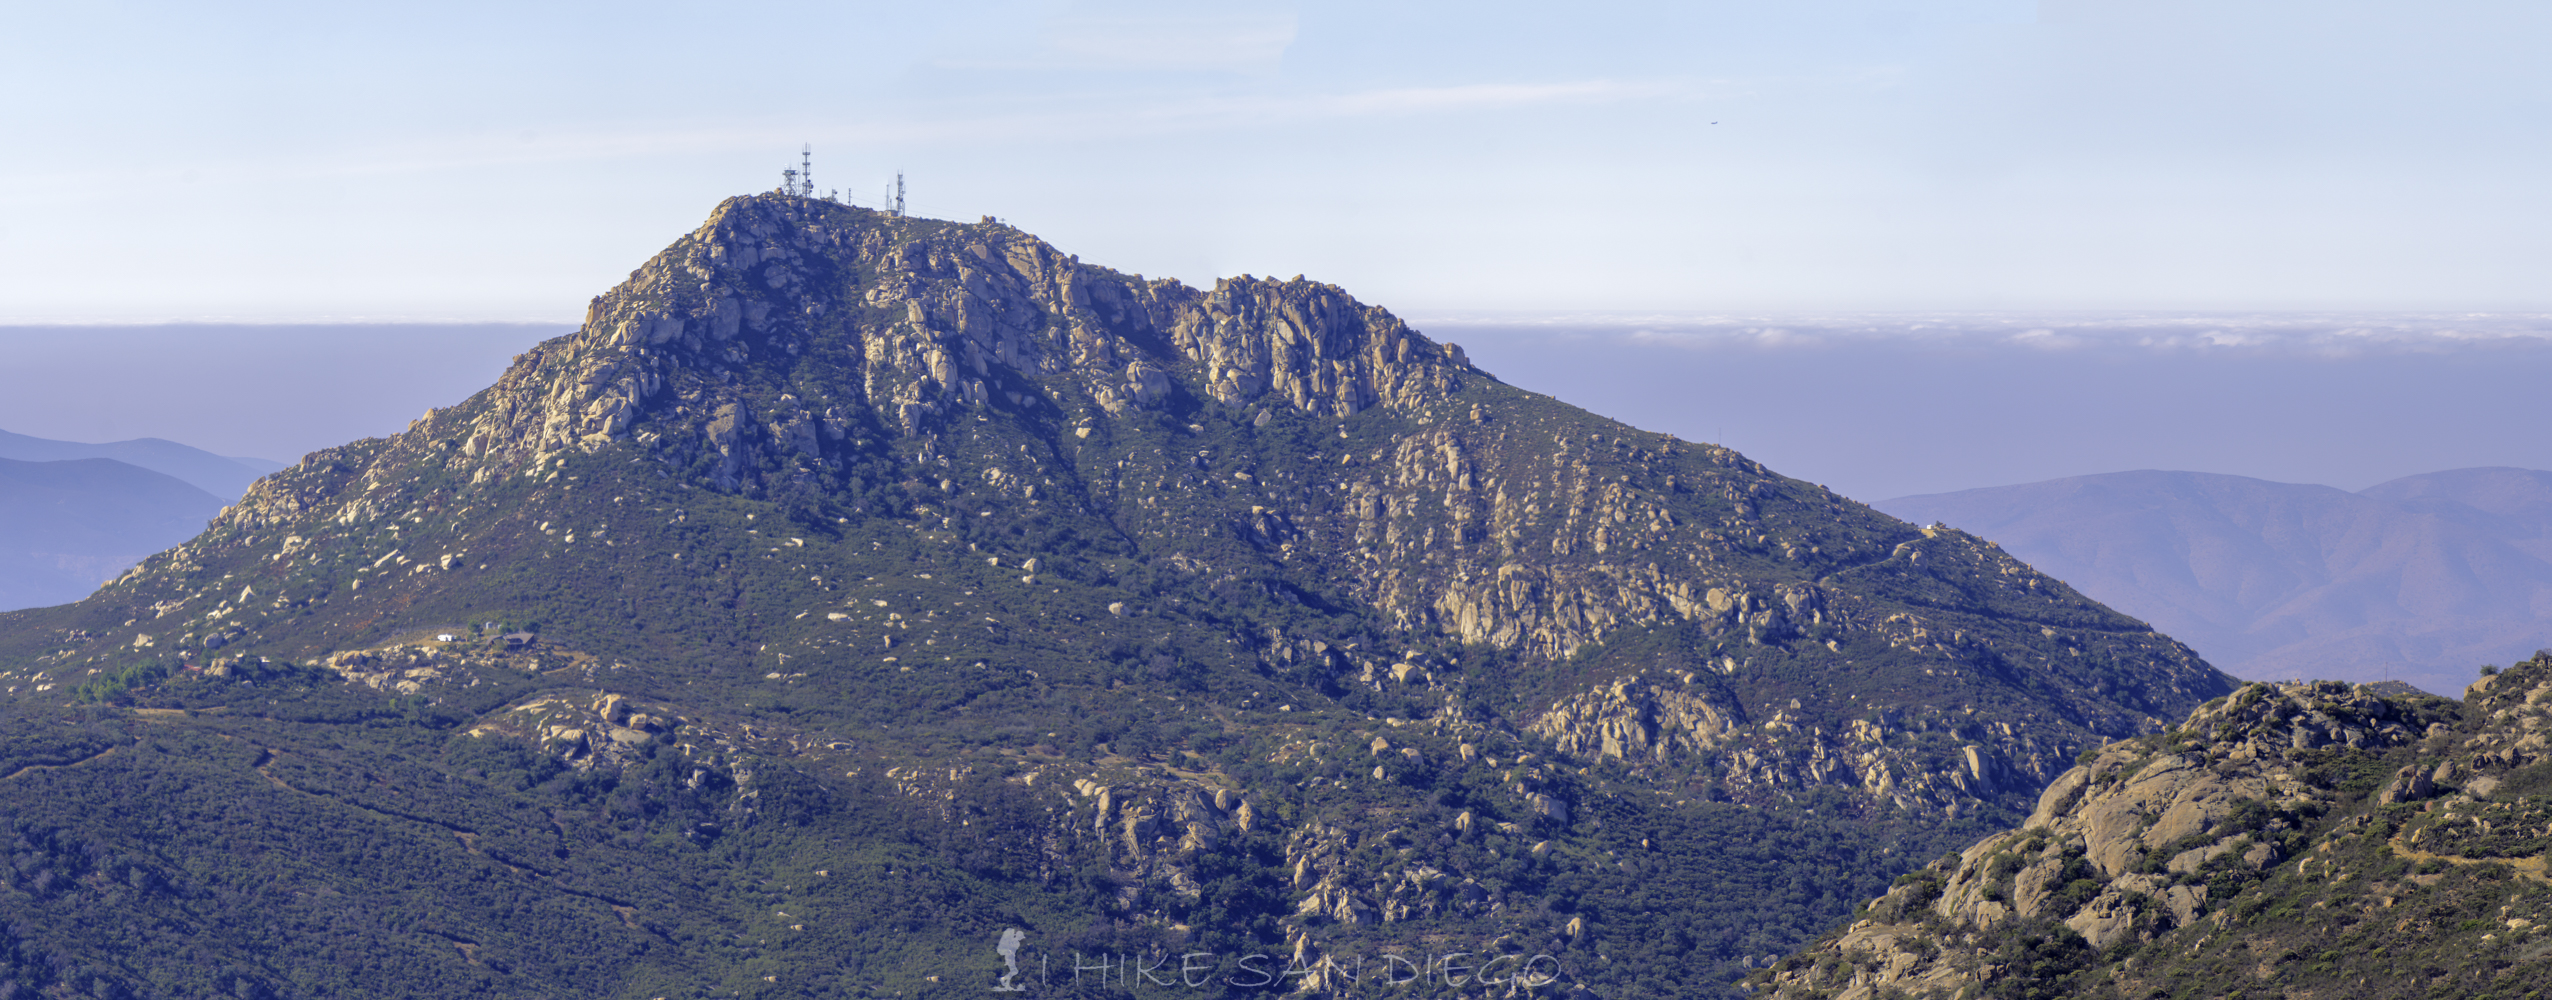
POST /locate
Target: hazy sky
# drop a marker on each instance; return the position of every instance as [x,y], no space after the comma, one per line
[484,161]
[274,392]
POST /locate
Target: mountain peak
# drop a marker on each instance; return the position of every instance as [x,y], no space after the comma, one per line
[845,364]
[1213,596]
[723,342]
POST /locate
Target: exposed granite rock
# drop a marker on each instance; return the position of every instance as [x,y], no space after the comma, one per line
[2125,845]
[588,729]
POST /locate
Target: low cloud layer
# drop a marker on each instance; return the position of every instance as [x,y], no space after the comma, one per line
[1880,406]
[2300,335]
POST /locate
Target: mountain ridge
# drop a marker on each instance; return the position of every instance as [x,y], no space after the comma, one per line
[1132,615]
[219,475]
[68,525]
[2287,580]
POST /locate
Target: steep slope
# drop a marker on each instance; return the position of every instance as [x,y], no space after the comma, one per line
[2405,581]
[888,572]
[218,475]
[67,526]
[2292,840]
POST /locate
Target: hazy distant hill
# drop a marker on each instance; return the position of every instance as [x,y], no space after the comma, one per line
[2514,504]
[219,475]
[66,527]
[2422,579]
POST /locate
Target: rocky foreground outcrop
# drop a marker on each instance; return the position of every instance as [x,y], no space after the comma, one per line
[2146,836]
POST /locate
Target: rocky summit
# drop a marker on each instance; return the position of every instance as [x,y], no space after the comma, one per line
[864,605]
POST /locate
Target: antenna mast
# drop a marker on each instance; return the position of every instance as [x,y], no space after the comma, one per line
[895,199]
[806,170]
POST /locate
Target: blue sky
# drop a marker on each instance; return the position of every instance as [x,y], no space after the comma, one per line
[475,161]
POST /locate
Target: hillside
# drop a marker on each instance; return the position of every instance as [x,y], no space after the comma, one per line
[2513,504]
[2419,579]
[851,588]
[2292,840]
[68,526]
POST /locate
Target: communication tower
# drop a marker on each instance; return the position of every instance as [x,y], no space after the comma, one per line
[806,170]
[895,197]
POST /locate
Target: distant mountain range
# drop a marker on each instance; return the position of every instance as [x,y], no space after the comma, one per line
[220,475]
[67,526]
[75,515]
[2421,579]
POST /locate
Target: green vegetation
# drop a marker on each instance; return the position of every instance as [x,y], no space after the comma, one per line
[879,604]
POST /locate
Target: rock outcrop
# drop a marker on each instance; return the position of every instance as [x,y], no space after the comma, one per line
[2146,836]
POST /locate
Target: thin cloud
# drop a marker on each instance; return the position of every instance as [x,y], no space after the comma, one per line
[2046,340]
[1124,115]
[1185,41]
[1061,117]
[1483,96]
